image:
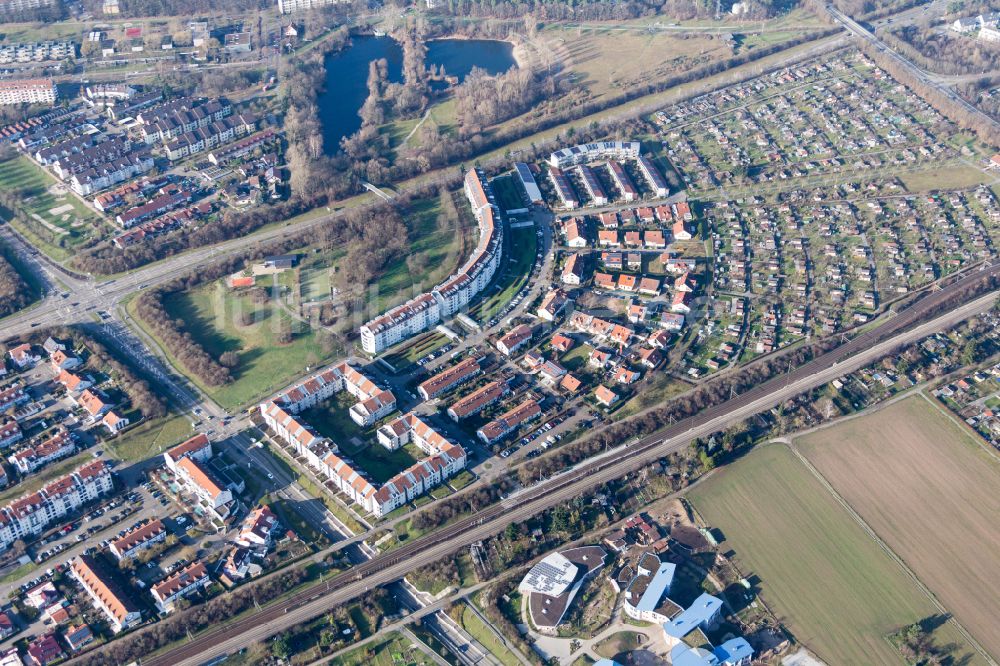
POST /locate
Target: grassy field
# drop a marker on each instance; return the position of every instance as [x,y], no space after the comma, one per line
[607,60]
[952,177]
[150,438]
[827,581]
[209,313]
[57,220]
[381,463]
[932,492]
[438,245]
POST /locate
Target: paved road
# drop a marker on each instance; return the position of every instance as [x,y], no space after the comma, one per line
[391,566]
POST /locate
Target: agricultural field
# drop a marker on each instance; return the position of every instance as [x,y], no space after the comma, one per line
[51,216]
[931,491]
[824,577]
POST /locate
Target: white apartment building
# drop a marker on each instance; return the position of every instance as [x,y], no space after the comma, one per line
[589,152]
[29,515]
[449,297]
[292,6]
[28,91]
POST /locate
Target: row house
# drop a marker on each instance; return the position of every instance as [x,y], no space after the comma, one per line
[10,433]
[157,206]
[161,225]
[478,400]
[107,593]
[623,181]
[181,584]
[447,379]
[499,428]
[238,149]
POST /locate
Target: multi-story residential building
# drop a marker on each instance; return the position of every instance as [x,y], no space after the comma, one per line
[10,433]
[200,482]
[138,539]
[589,152]
[58,445]
[292,6]
[13,395]
[197,448]
[374,401]
[446,299]
[28,91]
[181,584]
[258,527]
[160,124]
[111,172]
[13,6]
[653,176]
[514,339]
[107,592]
[210,136]
[36,51]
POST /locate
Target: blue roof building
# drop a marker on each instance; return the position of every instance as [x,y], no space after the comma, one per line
[734,652]
[702,613]
[684,655]
[646,592]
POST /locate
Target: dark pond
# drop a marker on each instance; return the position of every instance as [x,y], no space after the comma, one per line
[347,74]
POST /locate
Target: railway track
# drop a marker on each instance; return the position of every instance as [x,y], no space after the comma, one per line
[569,483]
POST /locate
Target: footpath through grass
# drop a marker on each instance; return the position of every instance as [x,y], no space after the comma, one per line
[835,589]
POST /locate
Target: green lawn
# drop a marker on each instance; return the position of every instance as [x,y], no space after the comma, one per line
[831,585]
[521,256]
[55,219]
[508,192]
[150,438]
[381,463]
[438,245]
[953,176]
[265,366]
[332,419]
[461,480]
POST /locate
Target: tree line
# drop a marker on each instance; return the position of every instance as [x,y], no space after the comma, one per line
[15,293]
